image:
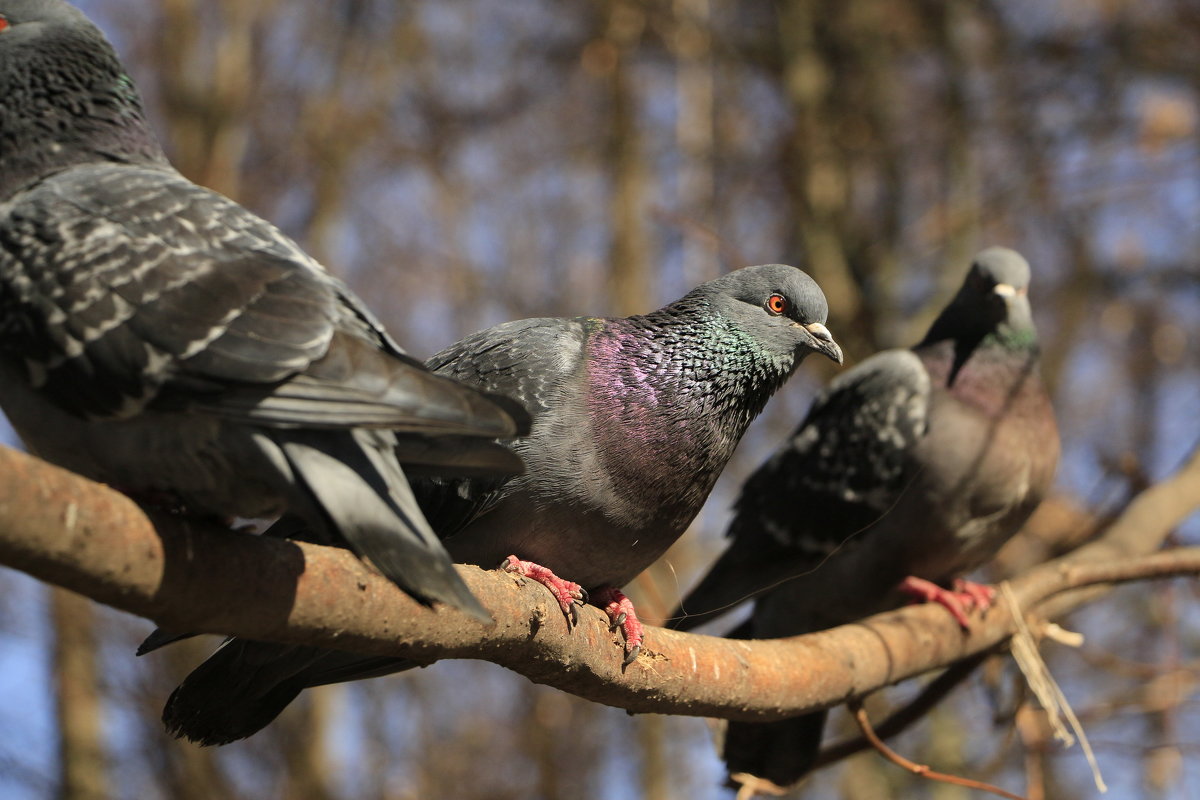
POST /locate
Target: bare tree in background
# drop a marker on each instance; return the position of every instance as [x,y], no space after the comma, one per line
[464,163]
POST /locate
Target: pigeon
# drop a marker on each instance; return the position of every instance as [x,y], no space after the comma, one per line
[633,420]
[909,471]
[156,336]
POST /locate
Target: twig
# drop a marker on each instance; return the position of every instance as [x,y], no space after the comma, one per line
[899,720]
[864,724]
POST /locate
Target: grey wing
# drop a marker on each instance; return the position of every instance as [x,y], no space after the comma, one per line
[526,359]
[529,361]
[128,287]
[843,468]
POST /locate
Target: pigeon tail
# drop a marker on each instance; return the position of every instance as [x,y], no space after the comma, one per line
[158,638]
[783,751]
[232,695]
[245,685]
[362,490]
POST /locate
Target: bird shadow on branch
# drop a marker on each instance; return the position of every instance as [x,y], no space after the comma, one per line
[187,574]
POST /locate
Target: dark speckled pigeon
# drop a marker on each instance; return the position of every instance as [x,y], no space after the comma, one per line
[633,420]
[159,337]
[910,470]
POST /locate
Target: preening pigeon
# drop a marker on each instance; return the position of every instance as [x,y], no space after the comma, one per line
[633,419]
[159,337]
[910,470]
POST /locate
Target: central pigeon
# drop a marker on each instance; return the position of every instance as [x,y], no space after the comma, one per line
[909,471]
[159,337]
[633,420]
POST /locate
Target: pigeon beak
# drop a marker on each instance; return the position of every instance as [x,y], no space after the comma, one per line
[1004,290]
[825,343]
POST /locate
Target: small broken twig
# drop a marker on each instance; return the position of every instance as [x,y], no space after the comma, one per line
[864,724]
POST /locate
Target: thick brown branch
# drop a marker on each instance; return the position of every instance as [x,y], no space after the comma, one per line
[187,575]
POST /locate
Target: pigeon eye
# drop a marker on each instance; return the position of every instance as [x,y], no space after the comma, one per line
[3,23]
[777,304]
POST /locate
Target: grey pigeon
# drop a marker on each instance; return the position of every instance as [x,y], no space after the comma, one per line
[909,471]
[156,336]
[633,420]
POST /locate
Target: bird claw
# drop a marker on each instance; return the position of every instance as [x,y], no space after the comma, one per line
[569,594]
[979,595]
[622,615]
[631,655]
[963,597]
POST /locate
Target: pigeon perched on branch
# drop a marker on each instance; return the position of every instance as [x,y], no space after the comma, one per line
[633,420]
[159,337]
[910,470]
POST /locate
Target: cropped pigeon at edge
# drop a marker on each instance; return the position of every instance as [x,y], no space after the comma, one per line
[918,463]
[633,420]
[156,336]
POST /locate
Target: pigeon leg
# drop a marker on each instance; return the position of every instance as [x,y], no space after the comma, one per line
[955,601]
[620,610]
[980,594]
[567,593]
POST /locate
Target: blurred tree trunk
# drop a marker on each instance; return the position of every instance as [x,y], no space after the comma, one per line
[82,756]
[691,43]
[816,172]
[629,251]
[309,765]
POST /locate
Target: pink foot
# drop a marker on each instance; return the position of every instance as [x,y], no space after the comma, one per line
[981,594]
[567,593]
[620,610]
[963,597]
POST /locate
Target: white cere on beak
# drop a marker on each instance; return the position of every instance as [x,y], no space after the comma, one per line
[819,331]
[1004,290]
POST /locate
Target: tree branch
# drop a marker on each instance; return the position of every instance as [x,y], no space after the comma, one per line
[864,724]
[188,575]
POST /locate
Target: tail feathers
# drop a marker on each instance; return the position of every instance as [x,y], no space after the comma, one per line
[245,685]
[160,638]
[339,666]
[362,491]
[235,693]
[783,752]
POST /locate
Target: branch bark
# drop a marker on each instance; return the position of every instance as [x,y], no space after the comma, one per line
[189,575]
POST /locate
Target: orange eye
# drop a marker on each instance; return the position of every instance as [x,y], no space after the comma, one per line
[3,23]
[777,304]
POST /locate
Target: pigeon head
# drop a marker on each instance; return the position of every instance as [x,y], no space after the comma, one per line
[27,12]
[779,306]
[64,97]
[993,301]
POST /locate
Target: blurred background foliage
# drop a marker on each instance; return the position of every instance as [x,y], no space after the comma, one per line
[463,163]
